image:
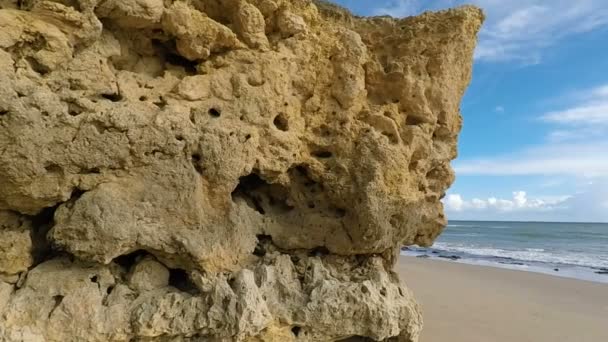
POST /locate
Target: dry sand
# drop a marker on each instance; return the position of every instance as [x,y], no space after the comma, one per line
[468,303]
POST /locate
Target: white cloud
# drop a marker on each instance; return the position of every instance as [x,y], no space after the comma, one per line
[454,202]
[588,205]
[587,114]
[518,203]
[499,109]
[591,111]
[517,29]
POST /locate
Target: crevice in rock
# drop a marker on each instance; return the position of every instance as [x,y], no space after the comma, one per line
[296,330]
[318,251]
[114,97]
[391,137]
[75,109]
[36,66]
[197,163]
[180,279]
[322,154]
[167,50]
[58,299]
[261,246]
[126,261]
[41,224]
[247,189]
[161,103]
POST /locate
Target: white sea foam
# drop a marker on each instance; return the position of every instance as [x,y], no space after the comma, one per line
[529,254]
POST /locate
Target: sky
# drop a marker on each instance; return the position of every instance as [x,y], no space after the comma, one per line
[534,145]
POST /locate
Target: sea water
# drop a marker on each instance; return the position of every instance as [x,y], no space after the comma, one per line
[576,250]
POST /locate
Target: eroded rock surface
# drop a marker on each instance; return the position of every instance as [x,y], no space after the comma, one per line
[220,170]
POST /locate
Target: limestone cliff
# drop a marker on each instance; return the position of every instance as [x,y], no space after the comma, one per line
[206,170]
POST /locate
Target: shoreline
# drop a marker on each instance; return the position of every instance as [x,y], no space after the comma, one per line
[578,272]
[462,302]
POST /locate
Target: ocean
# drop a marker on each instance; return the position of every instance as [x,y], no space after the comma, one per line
[575,250]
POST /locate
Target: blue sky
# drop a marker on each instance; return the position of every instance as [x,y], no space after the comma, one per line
[534,145]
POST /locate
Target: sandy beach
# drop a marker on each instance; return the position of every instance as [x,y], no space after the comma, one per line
[469,303]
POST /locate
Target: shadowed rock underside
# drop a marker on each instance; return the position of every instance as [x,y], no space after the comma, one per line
[205,170]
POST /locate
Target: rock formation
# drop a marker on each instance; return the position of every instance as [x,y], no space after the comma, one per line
[206,170]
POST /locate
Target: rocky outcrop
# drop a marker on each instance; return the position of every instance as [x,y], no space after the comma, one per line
[220,170]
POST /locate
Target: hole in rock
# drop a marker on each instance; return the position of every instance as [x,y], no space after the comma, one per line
[339,212]
[383,292]
[143,98]
[260,248]
[413,120]
[75,109]
[281,123]
[322,154]
[248,189]
[110,289]
[93,170]
[358,338]
[94,279]
[214,112]
[319,251]
[161,103]
[112,97]
[263,196]
[127,261]
[296,330]
[52,168]
[179,279]
[322,130]
[400,292]
[3,112]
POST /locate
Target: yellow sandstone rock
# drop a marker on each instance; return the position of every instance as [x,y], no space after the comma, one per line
[241,170]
